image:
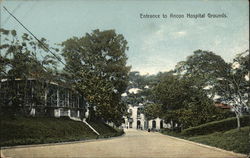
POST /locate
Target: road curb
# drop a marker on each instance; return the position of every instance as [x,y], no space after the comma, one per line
[60,143]
[207,146]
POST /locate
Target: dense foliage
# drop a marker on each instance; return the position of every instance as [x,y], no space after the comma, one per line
[233,89]
[227,82]
[96,65]
[186,96]
[23,58]
[203,66]
[183,103]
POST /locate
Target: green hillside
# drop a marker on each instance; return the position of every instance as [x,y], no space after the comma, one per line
[232,140]
[222,134]
[39,130]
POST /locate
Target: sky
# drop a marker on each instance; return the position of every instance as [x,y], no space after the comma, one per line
[155,44]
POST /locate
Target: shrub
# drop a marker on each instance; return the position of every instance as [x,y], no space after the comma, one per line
[216,126]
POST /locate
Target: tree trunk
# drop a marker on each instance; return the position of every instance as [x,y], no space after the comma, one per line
[172,125]
[238,121]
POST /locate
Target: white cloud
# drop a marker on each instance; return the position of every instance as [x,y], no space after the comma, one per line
[151,70]
[179,34]
[155,47]
[154,65]
[151,41]
[143,72]
[217,42]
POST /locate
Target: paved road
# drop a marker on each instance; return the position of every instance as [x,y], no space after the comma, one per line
[136,144]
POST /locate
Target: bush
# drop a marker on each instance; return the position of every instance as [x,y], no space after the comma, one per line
[216,126]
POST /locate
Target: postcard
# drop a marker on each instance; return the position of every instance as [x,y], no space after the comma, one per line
[124,78]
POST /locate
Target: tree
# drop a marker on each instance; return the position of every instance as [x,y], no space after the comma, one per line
[137,80]
[226,81]
[183,103]
[20,60]
[204,67]
[153,110]
[96,65]
[233,89]
[144,84]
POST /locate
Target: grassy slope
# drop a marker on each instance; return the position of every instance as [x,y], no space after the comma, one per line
[21,130]
[222,134]
[232,140]
[216,126]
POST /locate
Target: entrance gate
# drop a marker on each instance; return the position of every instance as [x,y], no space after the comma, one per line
[154,124]
[138,124]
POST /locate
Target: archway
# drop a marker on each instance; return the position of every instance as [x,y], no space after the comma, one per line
[138,124]
[153,124]
[161,124]
[130,124]
[130,112]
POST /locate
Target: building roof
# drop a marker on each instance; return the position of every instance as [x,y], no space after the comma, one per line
[222,106]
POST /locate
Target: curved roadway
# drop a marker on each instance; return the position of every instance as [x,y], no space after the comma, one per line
[135,144]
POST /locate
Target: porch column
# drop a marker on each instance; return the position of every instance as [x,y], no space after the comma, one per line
[78,113]
[69,112]
[68,99]
[78,101]
[57,97]
[45,96]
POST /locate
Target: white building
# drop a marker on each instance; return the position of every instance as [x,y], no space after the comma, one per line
[137,120]
[42,98]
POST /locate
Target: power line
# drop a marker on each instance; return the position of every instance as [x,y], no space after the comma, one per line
[66,67]
[17,7]
[35,37]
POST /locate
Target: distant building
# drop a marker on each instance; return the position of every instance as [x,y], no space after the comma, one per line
[222,106]
[137,120]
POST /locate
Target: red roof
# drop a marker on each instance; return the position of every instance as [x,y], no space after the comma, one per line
[222,106]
